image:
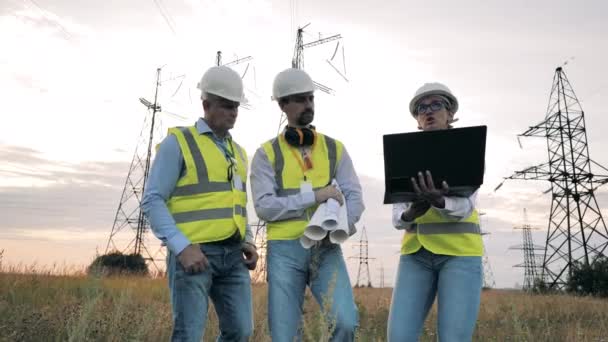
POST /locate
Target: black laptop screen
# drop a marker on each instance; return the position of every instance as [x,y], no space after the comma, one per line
[455,155]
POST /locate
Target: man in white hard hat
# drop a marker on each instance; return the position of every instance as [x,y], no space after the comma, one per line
[195,200]
[442,247]
[290,177]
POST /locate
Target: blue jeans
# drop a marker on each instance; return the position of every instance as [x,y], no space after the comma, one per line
[421,276]
[226,281]
[290,268]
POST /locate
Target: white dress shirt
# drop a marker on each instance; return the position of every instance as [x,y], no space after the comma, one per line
[456,208]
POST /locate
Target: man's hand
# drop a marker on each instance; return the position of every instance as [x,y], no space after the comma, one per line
[328,192]
[193,260]
[425,189]
[416,209]
[251,255]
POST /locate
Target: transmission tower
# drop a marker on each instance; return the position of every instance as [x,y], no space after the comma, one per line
[297,61]
[129,215]
[530,265]
[363,276]
[576,231]
[382,283]
[488,275]
[259,276]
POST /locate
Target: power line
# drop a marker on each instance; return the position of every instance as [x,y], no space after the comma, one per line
[46,13]
[165,14]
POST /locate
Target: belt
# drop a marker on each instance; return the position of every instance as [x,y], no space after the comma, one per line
[232,239]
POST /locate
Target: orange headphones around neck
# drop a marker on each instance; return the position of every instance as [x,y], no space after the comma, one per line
[300,137]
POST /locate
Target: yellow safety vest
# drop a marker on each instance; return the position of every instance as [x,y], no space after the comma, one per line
[289,175]
[205,204]
[444,236]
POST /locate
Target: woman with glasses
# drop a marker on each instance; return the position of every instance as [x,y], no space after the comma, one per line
[442,246]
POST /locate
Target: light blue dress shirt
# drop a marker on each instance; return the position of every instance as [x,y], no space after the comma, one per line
[167,168]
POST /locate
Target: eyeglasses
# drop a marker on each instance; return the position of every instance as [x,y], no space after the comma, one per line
[434,106]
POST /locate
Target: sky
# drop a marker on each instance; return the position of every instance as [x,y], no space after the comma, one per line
[72,72]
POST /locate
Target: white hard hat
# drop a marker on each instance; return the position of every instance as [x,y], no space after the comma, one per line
[223,82]
[291,81]
[429,89]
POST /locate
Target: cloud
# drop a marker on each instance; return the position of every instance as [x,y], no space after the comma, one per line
[27,163]
[21,155]
[62,196]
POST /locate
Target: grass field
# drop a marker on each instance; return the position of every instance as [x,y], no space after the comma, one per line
[73,307]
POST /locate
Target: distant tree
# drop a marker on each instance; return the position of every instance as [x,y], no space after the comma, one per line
[541,287]
[589,279]
[116,263]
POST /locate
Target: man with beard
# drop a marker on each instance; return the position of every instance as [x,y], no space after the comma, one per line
[290,177]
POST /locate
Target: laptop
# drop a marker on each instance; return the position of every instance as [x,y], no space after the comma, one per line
[455,155]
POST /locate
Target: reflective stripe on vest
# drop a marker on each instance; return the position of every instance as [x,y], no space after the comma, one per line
[204,204]
[203,185]
[444,236]
[209,214]
[288,175]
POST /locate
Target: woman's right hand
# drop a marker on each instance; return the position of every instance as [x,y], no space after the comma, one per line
[416,209]
[426,190]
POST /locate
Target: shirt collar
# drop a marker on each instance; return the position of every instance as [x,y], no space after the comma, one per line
[203,128]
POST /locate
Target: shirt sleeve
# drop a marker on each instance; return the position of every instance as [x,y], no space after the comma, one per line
[458,208]
[249,235]
[398,210]
[269,206]
[351,189]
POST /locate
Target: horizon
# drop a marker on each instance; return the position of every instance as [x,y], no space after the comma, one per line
[73,74]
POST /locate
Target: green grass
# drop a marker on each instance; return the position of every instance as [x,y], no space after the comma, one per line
[73,307]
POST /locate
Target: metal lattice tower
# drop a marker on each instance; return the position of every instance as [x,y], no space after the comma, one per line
[259,276]
[129,216]
[363,276]
[488,275]
[576,231]
[531,264]
[382,282]
[297,61]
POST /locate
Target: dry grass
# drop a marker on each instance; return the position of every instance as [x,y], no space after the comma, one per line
[43,306]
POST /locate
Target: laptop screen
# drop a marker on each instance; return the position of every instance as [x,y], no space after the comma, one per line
[453,155]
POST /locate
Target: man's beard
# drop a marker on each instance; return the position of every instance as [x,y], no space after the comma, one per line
[306,117]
